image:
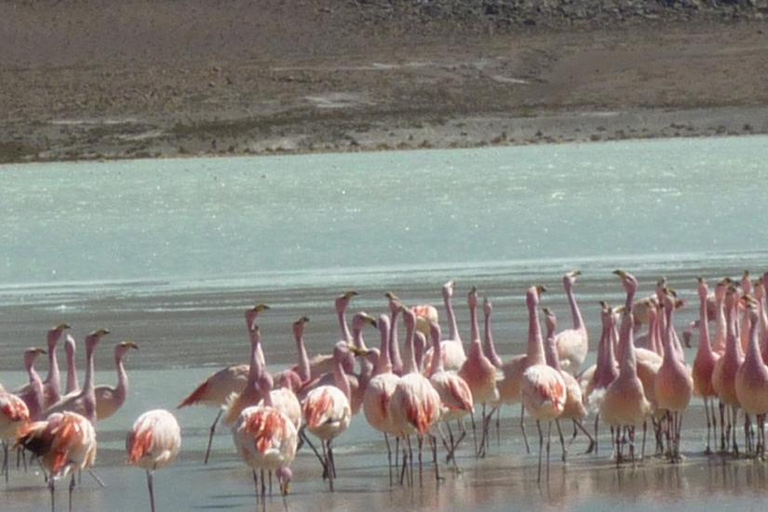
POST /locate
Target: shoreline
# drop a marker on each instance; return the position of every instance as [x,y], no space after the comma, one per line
[459,133]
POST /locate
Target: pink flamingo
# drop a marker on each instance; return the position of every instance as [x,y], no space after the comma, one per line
[63,443]
[704,364]
[71,349]
[512,374]
[415,405]
[720,321]
[674,385]
[32,394]
[14,414]
[327,410]
[480,374]
[153,443]
[724,372]
[574,408]
[573,343]
[597,378]
[217,388]
[452,348]
[52,382]
[455,396]
[110,399]
[752,381]
[324,363]
[762,311]
[266,439]
[425,313]
[625,404]
[542,389]
[378,393]
[294,378]
[84,402]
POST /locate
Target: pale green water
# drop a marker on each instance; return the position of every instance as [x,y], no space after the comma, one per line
[170,253]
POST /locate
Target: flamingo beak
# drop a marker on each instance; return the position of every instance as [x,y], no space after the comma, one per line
[620,273]
[130,344]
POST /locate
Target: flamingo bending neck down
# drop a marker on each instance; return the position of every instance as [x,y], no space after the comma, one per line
[153,443]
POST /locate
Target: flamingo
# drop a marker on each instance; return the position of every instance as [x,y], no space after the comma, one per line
[378,393]
[479,373]
[217,388]
[624,404]
[673,385]
[455,395]
[574,408]
[153,443]
[84,402]
[724,372]
[323,363]
[14,414]
[512,373]
[110,399]
[327,410]
[752,380]
[704,364]
[32,394]
[605,371]
[542,389]
[266,439]
[52,382]
[71,349]
[762,311]
[572,344]
[299,374]
[425,313]
[452,348]
[63,443]
[415,404]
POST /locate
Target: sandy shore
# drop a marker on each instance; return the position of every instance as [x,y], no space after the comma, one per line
[192,78]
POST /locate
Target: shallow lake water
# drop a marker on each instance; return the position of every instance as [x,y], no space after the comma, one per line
[169,253]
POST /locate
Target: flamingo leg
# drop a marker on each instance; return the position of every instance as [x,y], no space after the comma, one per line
[723,428]
[331,459]
[212,430]
[71,488]
[263,486]
[410,459]
[256,484]
[541,446]
[562,440]
[708,449]
[549,437]
[321,458]
[498,426]
[5,460]
[51,488]
[421,468]
[522,427]
[592,441]
[474,433]
[389,458]
[433,443]
[269,473]
[645,431]
[150,486]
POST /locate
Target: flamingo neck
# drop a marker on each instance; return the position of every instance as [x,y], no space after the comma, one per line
[578,321]
[437,355]
[550,353]
[53,378]
[256,370]
[474,324]
[453,328]
[357,338]
[535,353]
[409,362]
[303,367]
[122,379]
[72,382]
[627,347]
[394,346]
[383,363]
[704,344]
[490,346]
[754,356]
[732,346]
[342,316]
[341,379]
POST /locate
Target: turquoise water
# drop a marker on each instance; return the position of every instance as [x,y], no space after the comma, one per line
[169,253]
[232,219]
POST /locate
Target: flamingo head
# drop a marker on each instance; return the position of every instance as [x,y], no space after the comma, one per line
[487,306]
[342,301]
[448,289]
[122,348]
[361,319]
[298,327]
[252,314]
[393,303]
[722,288]
[54,335]
[284,476]
[702,289]
[570,278]
[31,354]
[533,295]
[94,338]
[265,383]
[628,281]
[472,298]
[606,313]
